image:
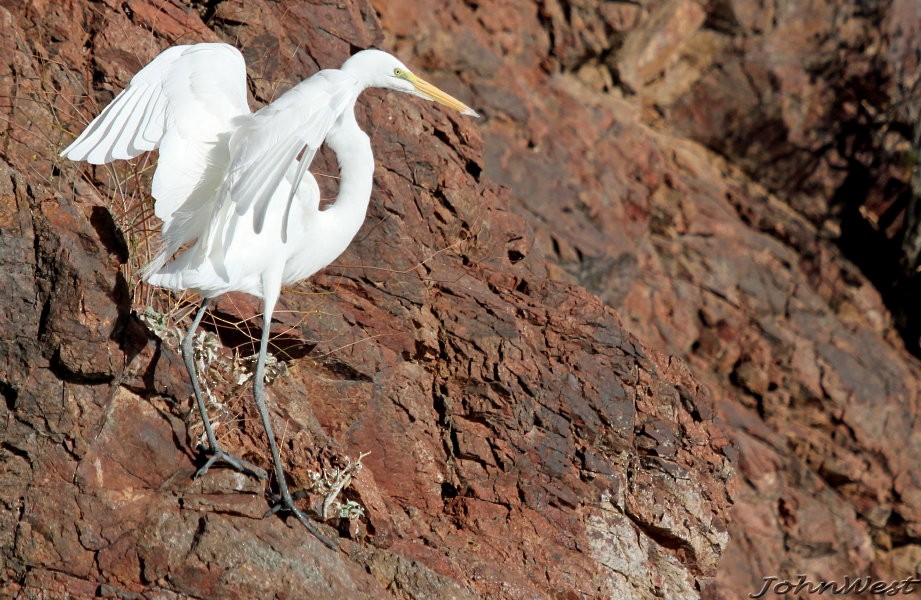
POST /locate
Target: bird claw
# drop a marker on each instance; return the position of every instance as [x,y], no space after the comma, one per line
[235,462]
[286,505]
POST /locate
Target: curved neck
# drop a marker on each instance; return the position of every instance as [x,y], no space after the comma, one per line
[356,171]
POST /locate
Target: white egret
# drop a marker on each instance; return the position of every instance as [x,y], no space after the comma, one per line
[240,210]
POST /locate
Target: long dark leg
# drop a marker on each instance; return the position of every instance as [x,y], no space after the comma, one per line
[285,501]
[214,449]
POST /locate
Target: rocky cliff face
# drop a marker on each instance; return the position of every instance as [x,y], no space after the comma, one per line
[640,332]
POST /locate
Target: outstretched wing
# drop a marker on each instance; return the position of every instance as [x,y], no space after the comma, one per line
[283,136]
[181,102]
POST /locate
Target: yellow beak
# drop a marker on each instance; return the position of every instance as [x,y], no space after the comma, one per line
[427,90]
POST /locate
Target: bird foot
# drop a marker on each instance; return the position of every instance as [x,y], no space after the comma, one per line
[234,462]
[285,504]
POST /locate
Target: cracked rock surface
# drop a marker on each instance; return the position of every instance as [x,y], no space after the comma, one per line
[617,339]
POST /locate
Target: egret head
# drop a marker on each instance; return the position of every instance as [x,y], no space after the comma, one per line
[375,68]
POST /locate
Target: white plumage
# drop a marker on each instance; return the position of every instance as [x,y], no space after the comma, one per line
[233,186]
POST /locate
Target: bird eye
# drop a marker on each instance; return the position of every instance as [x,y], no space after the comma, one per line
[398,72]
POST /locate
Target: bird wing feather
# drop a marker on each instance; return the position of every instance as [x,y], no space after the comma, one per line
[190,102]
[282,136]
[185,98]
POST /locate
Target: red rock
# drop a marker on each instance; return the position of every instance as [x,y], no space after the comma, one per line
[650,48]
[556,325]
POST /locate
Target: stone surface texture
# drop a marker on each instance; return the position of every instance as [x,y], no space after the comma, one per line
[645,330]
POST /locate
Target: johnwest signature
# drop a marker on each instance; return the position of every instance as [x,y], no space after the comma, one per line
[849,585]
